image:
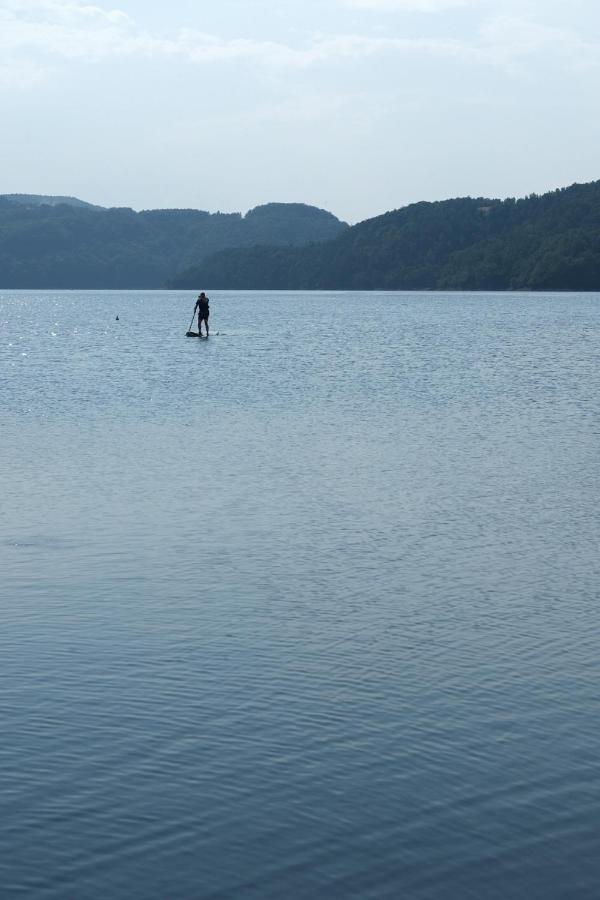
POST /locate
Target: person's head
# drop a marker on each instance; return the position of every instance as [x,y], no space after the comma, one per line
[202,295]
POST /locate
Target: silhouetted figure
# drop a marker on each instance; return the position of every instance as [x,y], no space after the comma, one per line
[203,312]
[117,319]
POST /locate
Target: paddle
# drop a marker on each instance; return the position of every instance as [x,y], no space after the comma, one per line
[189,331]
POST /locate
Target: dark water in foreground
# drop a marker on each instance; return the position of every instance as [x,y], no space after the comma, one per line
[306,611]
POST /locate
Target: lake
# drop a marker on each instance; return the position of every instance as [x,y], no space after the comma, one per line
[306,610]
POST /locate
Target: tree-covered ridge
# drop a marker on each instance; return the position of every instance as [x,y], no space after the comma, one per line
[46,200]
[48,245]
[538,242]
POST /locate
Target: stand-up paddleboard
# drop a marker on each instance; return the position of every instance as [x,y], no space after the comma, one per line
[203,336]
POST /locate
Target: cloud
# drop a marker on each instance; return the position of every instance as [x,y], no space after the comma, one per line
[421,6]
[71,30]
[510,42]
[38,31]
[61,11]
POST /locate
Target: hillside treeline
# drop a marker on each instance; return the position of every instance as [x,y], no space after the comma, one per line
[549,241]
[74,245]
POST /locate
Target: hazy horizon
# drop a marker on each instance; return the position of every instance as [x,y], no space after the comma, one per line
[354,106]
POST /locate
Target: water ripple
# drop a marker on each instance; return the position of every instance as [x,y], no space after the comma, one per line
[300,614]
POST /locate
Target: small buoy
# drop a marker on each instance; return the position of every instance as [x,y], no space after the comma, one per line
[117,319]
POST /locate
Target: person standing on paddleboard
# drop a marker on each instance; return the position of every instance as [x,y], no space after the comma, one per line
[203,312]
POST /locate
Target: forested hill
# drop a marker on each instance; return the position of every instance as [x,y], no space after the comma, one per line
[59,242]
[539,242]
[45,200]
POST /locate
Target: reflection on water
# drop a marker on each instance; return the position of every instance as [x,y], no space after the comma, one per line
[307,610]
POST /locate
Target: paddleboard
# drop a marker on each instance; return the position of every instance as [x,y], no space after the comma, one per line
[195,334]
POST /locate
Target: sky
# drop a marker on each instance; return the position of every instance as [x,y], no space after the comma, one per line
[355,106]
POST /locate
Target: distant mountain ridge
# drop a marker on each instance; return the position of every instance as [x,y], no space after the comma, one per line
[62,242]
[540,242]
[46,200]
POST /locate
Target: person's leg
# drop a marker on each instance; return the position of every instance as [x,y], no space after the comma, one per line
[206,324]
[199,322]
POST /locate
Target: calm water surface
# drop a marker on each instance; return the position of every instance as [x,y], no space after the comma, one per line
[309,610]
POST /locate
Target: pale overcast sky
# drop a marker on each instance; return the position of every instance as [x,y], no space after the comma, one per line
[357,106]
